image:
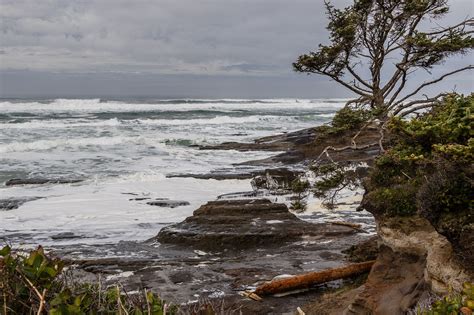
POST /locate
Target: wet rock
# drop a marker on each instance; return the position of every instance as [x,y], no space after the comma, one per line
[275,179]
[280,174]
[289,157]
[364,251]
[65,236]
[216,176]
[282,142]
[181,276]
[15,203]
[239,195]
[168,203]
[40,181]
[241,224]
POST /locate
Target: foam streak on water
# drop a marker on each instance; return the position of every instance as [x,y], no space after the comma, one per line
[124,149]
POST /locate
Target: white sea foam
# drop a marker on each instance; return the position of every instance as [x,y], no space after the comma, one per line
[107,212]
[42,145]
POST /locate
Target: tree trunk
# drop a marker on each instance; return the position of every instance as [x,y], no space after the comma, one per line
[308,279]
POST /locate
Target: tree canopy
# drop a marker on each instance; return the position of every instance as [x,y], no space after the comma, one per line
[369,34]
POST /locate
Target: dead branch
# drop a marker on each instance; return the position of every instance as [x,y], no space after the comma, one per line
[349,147]
[251,295]
[42,302]
[428,102]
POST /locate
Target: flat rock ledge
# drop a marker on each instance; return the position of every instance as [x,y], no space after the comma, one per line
[244,224]
[40,181]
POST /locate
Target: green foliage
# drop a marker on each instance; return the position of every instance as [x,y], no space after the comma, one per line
[35,283]
[332,179]
[453,304]
[395,201]
[428,167]
[447,124]
[345,119]
[433,50]
[348,119]
[299,188]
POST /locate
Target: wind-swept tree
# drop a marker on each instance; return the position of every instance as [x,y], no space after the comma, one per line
[370,34]
[375,46]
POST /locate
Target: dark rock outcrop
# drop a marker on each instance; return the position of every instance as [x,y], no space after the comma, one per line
[280,172]
[40,181]
[15,203]
[413,259]
[241,224]
[307,144]
[282,142]
[365,251]
[165,203]
[65,236]
[394,285]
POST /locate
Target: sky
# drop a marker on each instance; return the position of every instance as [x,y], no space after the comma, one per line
[172,48]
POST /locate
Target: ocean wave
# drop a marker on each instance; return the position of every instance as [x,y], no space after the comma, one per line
[144,176]
[43,145]
[204,121]
[99,106]
[114,122]
[66,123]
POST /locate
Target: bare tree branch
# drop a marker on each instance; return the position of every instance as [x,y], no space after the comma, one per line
[470,67]
[430,100]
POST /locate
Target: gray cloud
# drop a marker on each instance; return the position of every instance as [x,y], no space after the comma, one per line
[164,37]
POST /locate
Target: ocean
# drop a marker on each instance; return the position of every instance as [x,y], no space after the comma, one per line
[123,150]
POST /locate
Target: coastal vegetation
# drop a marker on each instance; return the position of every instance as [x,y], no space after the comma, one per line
[422,153]
[371,35]
[453,303]
[34,283]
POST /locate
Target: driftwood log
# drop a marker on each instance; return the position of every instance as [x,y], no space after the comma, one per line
[306,280]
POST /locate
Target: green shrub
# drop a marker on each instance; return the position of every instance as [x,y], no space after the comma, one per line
[395,201]
[299,188]
[427,170]
[332,179]
[429,162]
[452,304]
[348,118]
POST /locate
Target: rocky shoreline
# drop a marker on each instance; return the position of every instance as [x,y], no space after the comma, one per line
[226,247]
[243,239]
[236,242]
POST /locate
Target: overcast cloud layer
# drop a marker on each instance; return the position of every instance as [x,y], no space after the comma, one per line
[66,42]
